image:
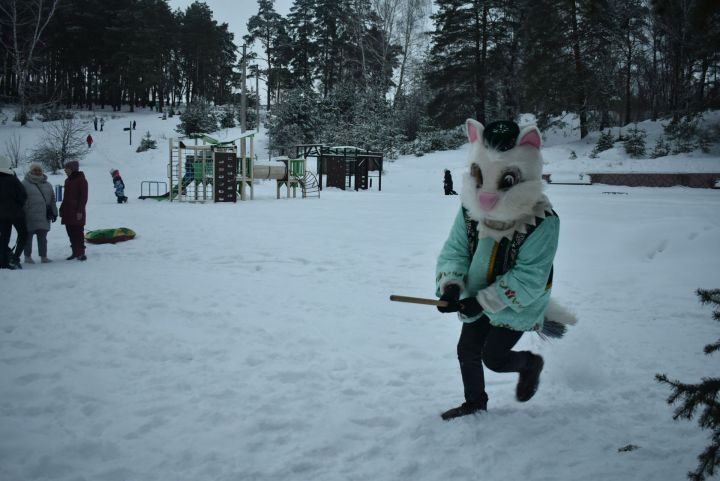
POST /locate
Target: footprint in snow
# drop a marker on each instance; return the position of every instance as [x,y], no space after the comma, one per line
[660,248]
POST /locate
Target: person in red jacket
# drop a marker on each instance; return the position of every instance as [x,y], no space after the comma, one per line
[72,209]
[89,140]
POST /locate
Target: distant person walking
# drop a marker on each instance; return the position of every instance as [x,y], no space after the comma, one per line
[134,124]
[72,209]
[12,214]
[89,140]
[448,183]
[102,123]
[95,122]
[40,211]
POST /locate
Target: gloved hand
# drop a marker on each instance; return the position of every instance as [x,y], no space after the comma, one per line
[470,307]
[451,294]
[53,219]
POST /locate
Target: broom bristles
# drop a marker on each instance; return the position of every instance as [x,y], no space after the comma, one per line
[552,330]
[557,318]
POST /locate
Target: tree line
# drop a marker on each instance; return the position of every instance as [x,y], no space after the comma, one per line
[386,68]
[609,61]
[124,52]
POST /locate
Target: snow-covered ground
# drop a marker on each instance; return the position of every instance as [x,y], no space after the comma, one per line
[256,341]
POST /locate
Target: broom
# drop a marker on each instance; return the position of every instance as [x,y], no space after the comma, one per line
[557,317]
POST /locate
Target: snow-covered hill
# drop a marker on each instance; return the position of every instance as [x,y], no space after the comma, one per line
[255,341]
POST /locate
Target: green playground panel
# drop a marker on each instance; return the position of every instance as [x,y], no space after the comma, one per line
[296,167]
[248,166]
[198,171]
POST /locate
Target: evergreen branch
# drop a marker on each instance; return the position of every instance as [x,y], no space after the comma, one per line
[710,418]
[708,296]
[710,348]
[703,394]
[708,460]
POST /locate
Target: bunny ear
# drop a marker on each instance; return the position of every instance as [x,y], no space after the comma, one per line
[530,136]
[474,130]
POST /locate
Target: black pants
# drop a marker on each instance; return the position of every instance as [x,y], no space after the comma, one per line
[5,230]
[5,233]
[481,342]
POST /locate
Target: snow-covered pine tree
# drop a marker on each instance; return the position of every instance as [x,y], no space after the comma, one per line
[605,142]
[662,148]
[146,143]
[704,396]
[198,117]
[635,142]
[227,118]
[704,141]
[293,121]
[682,134]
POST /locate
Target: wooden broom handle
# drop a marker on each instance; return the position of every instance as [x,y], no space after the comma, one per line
[419,300]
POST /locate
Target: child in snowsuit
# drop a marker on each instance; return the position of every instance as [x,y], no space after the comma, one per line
[495,269]
[119,186]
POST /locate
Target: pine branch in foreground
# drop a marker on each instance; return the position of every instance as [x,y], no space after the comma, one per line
[702,396]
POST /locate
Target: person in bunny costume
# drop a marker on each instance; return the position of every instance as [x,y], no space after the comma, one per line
[495,268]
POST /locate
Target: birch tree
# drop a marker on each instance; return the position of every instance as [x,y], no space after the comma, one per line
[26,20]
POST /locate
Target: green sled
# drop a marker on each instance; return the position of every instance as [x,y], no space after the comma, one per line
[109,236]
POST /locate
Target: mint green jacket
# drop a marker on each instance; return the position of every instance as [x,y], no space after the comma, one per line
[517,299]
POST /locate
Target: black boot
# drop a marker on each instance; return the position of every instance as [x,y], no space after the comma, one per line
[464,409]
[15,262]
[529,378]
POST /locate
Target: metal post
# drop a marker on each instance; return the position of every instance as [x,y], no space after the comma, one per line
[243,98]
[257,94]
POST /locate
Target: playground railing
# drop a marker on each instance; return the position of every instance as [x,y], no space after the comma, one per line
[146,188]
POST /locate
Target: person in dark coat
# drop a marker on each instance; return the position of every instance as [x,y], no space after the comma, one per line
[72,209]
[12,214]
[448,183]
[119,186]
[134,124]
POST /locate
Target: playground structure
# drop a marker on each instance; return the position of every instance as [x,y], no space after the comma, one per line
[219,171]
[345,167]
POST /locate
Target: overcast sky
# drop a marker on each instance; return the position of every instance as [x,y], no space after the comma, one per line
[235,13]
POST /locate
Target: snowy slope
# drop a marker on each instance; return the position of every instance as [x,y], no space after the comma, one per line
[255,341]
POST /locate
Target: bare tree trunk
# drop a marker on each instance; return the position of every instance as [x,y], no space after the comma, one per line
[34,16]
[580,95]
[481,45]
[628,70]
[412,14]
[653,80]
